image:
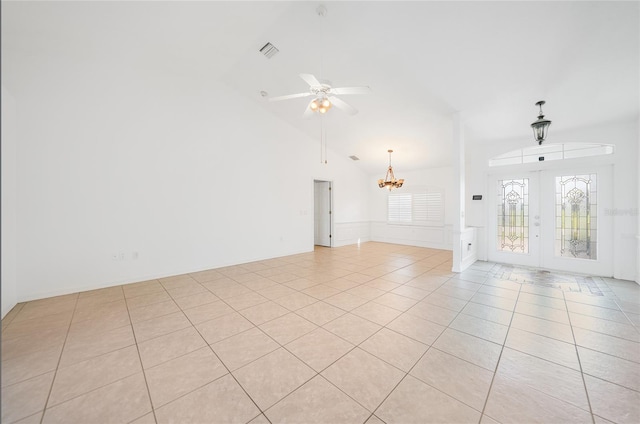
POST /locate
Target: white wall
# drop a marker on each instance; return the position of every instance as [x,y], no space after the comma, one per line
[118,163]
[434,237]
[9,200]
[624,135]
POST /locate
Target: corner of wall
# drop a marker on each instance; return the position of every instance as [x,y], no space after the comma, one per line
[9,207]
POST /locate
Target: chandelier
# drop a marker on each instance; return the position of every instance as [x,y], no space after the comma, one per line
[540,126]
[390,179]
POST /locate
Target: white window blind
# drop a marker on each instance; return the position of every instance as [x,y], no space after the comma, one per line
[424,207]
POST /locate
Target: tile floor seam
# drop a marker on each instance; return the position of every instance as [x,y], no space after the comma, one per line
[575,343]
[144,374]
[53,380]
[495,370]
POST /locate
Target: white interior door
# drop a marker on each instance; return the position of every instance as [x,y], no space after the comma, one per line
[322,213]
[552,219]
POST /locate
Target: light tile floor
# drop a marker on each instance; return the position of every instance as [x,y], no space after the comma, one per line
[376,333]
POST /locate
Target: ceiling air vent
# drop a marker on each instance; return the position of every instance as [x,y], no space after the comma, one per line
[354,157]
[269,50]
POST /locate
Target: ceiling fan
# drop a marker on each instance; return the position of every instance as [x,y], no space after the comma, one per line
[324,96]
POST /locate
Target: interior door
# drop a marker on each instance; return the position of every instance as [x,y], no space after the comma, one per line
[322,213]
[553,219]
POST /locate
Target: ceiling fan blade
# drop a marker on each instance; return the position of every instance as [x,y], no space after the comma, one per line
[289,96]
[351,90]
[340,104]
[310,79]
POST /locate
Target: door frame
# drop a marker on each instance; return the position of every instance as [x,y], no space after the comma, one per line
[543,174]
[328,216]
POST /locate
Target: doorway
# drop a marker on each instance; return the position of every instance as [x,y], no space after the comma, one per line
[322,213]
[553,219]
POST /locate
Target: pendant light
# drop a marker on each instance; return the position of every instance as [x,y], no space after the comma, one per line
[540,126]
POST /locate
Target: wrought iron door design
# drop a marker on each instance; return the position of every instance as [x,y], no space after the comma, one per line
[513,215]
[576,210]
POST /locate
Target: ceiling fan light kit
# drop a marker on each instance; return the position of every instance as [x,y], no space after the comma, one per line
[390,180]
[541,125]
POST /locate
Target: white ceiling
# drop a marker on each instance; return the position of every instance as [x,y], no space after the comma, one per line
[490,61]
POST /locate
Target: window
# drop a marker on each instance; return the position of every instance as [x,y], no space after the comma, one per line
[424,207]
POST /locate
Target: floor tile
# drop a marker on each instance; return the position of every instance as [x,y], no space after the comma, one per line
[543,347]
[364,377]
[246,300]
[155,327]
[91,374]
[417,402]
[170,346]
[478,327]
[610,328]
[460,379]
[447,302]
[122,401]
[395,301]
[296,301]
[264,312]
[543,312]
[25,398]
[615,346]
[513,402]
[148,299]
[80,348]
[543,327]
[433,313]
[613,402]
[24,367]
[177,377]
[223,327]
[319,348]
[549,302]
[597,312]
[275,292]
[207,312]
[221,401]
[153,310]
[473,349]
[374,312]
[394,348]
[489,313]
[243,348]
[320,313]
[610,368]
[197,299]
[272,377]
[552,379]
[416,328]
[317,402]
[352,328]
[345,301]
[287,328]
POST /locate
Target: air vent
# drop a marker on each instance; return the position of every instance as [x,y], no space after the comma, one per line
[354,157]
[269,50]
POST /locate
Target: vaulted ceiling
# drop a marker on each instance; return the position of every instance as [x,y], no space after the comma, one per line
[489,61]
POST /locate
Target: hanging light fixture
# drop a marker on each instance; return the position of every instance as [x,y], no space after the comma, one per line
[540,126]
[390,179]
[320,104]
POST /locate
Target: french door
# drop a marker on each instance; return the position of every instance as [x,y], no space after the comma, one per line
[553,219]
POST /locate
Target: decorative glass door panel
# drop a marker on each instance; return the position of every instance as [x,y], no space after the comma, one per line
[513,215]
[550,219]
[576,216]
